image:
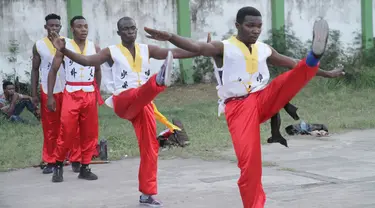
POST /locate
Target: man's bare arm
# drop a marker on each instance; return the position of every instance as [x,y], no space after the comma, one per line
[159,53]
[35,71]
[211,49]
[56,63]
[92,60]
[277,59]
[12,104]
[98,71]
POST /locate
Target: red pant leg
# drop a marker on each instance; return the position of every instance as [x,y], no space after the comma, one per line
[145,129]
[243,123]
[283,88]
[51,126]
[70,110]
[88,126]
[130,102]
[75,151]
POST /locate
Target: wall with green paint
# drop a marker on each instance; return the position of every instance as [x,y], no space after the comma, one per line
[23,20]
[300,16]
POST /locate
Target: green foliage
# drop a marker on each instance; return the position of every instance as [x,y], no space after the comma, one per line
[23,88]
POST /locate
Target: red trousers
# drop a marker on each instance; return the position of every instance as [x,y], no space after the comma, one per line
[51,126]
[135,105]
[79,111]
[52,130]
[244,118]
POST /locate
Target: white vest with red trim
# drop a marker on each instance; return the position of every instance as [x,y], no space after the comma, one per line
[47,52]
[129,72]
[75,72]
[243,72]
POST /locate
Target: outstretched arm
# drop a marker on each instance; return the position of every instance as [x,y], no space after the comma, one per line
[178,53]
[93,60]
[277,59]
[211,49]
[161,53]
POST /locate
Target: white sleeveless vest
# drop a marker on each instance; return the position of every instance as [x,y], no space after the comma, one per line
[47,52]
[75,72]
[128,72]
[242,72]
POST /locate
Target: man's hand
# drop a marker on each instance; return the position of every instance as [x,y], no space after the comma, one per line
[57,41]
[208,37]
[51,103]
[35,100]
[335,73]
[158,35]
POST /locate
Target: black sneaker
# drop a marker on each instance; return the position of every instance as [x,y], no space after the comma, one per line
[58,174]
[76,167]
[278,139]
[48,169]
[320,37]
[150,201]
[85,173]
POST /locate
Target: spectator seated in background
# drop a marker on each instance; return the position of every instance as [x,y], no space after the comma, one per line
[12,103]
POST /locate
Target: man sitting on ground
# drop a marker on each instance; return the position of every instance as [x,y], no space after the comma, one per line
[13,103]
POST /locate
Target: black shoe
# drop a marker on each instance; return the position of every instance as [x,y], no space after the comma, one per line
[48,169]
[278,139]
[58,174]
[292,111]
[150,201]
[76,167]
[320,37]
[85,173]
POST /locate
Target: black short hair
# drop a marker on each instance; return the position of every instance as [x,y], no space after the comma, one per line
[123,19]
[52,16]
[75,18]
[6,83]
[246,11]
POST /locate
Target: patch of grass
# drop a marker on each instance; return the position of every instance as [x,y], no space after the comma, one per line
[287,169]
[196,106]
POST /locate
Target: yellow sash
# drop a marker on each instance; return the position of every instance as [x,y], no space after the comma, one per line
[251,59]
[50,46]
[135,65]
[77,49]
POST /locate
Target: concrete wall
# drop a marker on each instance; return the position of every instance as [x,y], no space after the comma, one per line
[343,15]
[102,17]
[219,16]
[23,20]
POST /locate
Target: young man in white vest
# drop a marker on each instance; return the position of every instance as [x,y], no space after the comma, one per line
[135,89]
[246,97]
[275,123]
[43,53]
[79,107]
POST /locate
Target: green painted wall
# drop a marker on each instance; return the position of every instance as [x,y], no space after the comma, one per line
[278,22]
[184,29]
[74,8]
[367,24]
[278,13]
